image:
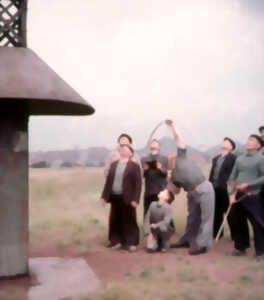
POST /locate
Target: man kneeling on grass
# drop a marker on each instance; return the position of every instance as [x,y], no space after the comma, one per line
[158,222]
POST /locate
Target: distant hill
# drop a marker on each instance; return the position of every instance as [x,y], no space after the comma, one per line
[97,155]
[92,155]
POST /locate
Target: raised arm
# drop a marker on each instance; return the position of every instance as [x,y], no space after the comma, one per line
[176,134]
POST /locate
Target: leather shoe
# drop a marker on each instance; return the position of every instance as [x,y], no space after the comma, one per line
[180,245]
[197,250]
[237,252]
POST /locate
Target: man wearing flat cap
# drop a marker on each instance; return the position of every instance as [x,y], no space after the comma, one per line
[246,180]
[261,133]
[222,166]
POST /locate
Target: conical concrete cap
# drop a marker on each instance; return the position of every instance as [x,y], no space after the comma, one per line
[25,78]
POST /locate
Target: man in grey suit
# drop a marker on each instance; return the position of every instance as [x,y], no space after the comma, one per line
[155,168]
[201,199]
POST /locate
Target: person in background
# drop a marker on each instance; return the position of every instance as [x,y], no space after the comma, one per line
[201,199]
[245,181]
[123,139]
[122,190]
[221,169]
[261,132]
[155,168]
[158,222]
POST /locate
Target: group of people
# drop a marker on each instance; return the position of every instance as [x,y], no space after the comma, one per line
[235,186]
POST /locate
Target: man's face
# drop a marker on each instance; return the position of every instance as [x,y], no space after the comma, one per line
[253,144]
[124,141]
[154,148]
[125,152]
[226,147]
[164,194]
[262,134]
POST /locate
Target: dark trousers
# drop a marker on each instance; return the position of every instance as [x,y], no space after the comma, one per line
[221,206]
[123,226]
[147,201]
[250,208]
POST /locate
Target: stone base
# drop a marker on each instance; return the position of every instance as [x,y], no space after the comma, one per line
[58,278]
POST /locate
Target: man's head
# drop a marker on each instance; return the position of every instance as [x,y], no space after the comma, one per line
[126,151]
[227,146]
[154,147]
[166,195]
[124,139]
[261,132]
[254,143]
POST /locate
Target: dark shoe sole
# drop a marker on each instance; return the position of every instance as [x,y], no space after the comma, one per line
[198,251]
[180,245]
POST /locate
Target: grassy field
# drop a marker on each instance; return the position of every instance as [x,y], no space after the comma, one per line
[64,204]
[65,213]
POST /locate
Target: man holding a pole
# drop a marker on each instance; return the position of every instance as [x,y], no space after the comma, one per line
[245,181]
[222,166]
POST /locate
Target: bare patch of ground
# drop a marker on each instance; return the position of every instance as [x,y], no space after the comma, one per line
[204,275]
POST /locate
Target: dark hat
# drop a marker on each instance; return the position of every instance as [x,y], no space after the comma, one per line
[231,142]
[258,138]
[126,136]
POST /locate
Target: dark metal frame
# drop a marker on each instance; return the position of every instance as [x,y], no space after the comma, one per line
[13,15]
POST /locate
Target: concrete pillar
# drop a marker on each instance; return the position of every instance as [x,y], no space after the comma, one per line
[13,191]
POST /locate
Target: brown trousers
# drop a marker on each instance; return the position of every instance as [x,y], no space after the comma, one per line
[123,226]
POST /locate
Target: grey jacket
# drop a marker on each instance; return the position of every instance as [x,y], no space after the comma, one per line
[161,215]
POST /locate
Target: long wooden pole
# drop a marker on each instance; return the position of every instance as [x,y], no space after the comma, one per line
[226,215]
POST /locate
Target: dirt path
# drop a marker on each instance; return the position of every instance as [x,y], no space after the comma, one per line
[110,265]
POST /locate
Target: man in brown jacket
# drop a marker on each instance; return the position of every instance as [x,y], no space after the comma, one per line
[122,190]
[123,139]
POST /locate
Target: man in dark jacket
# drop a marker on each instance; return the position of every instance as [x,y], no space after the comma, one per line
[261,133]
[222,166]
[155,168]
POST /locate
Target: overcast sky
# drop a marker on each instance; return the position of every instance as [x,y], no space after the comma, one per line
[200,62]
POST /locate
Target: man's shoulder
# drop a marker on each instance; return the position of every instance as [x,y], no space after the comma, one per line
[133,164]
[261,156]
[216,157]
[114,163]
[153,206]
[242,156]
[231,156]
